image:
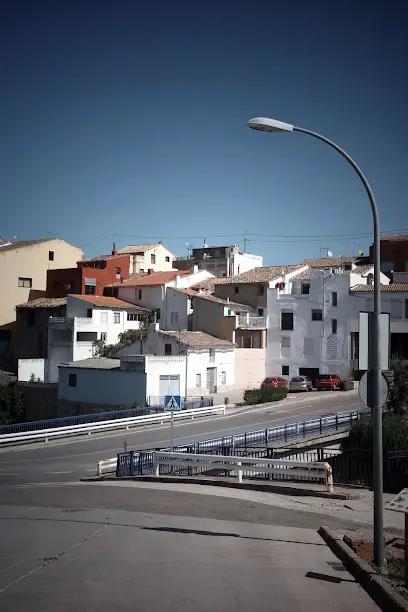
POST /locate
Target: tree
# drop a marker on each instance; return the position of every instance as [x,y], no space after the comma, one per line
[398,398]
[11,405]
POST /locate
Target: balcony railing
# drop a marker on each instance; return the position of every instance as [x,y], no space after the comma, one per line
[248,321]
[83,320]
[61,323]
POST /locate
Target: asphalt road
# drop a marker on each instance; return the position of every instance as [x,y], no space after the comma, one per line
[68,460]
[114,560]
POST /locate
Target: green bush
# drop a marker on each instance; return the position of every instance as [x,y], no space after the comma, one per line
[262,396]
[395,434]
[398,397]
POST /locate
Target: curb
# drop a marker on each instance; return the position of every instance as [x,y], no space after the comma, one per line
[248,486]
[379,590]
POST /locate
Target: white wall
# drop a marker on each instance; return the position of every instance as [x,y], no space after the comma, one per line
[93,386]
[179,303]
[249,368]
[243,262]
[152,295]
[27,367]
[164,366]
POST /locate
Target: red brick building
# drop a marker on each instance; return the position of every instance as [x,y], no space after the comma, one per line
[90,277]
[394,253]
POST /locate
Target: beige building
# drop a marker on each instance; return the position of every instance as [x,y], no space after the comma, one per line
[23,277]
[145,257]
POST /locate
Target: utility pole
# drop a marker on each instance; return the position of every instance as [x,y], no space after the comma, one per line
[245,241]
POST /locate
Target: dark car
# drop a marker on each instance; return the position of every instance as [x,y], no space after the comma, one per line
[328,382]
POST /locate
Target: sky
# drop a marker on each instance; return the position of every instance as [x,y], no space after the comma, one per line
[128,118]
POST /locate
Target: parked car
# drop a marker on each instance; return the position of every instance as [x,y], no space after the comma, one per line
[300,383]
[328,382]
[273,382]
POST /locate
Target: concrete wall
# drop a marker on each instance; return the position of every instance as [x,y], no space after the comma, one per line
[31,262]
[212,318]
[32,334]
[176,302]
[249,368]
[29,367]
[250,294]
[114,387]
[143,263]
[243,262]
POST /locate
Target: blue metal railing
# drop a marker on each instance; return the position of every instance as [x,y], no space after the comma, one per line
[189,404]
[139,463]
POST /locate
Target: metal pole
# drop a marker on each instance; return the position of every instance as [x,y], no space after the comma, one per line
[374,363]
[171,431]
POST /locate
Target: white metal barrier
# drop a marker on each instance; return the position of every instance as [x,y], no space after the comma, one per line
[88,428]
[107,466]
[283,467]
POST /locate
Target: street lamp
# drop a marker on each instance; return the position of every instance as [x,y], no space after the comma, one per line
[265,124]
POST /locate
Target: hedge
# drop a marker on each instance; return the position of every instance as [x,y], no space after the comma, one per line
[262,396]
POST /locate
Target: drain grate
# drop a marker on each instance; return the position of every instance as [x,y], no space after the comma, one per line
[339,567]
[74,509]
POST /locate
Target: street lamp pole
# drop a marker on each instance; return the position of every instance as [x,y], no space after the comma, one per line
[271,125]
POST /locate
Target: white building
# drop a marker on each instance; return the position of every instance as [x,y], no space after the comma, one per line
[145,257]
[313,321]
[172,309]
[71,338]
[209,362]
[221,261]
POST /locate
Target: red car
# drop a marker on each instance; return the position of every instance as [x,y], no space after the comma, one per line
[274,381]
[328,382]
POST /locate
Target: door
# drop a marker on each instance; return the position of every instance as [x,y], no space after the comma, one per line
[212,380]
[169,385]
[312,373]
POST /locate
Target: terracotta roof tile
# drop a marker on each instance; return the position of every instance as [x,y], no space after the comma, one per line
[108,302]
[333,262]
[137,248]
[265,274]
[232,305]
[157,278]
[363,269]
[391,288]
[208,285]
[197,339]
[304,275]
[131,279]
[44,303]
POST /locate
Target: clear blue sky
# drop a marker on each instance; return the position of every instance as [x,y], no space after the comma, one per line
[120,117]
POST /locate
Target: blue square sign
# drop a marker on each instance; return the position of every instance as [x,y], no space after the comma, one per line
[172,403]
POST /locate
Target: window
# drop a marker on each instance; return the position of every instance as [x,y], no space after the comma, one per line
[167,349]
[308,346]
[287,321]
[370,279]
[216,253]
[305,288]
[116,317]
[406,266]
[89,313]
[167,259]
[236,290]
[396,309]
[67,287]
[354,338]
[140,294]
[285,370]
[261,289]
[90,289]
[174,317]
[317,315]
[198,380]
[334,298]
[347,267]
[157,314]
[229,312]
[72,380]
[27,283]
[260,312]
[31,316]
[212,355]
[117,272]
[153,258]
[406,309]
[51,255]
[285,341]
[132,316]
[334,326]
[223,378]
[104,336]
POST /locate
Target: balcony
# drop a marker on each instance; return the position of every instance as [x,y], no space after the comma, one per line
[248,322]
[61,323]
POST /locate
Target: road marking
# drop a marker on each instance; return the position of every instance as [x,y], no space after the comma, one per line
[70,472]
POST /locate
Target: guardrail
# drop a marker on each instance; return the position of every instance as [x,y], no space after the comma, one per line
[283,467]
[77,430]
[134,463]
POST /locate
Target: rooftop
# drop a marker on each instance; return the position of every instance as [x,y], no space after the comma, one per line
[208,285]
[156,278]
[133,249]
[364,269]
[102,258]
[333,262]
[108,302]
[44,302]
[132,277]
[301,276]
[197,339]
[93,363]
[233,305]
[395,238]
[21,244]
[392,288]
[265,274]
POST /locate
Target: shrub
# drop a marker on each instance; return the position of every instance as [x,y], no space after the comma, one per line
[395,434]
[262,396]
[398,397]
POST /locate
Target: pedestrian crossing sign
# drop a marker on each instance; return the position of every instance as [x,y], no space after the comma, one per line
[172,403]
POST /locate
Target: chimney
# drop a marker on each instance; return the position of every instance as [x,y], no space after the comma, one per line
[160,242]
[114,251]
[177,280]
[228,299]
[195,269]
[150,271]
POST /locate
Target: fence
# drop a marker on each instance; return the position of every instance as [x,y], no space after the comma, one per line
[190,404]
[136,463]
